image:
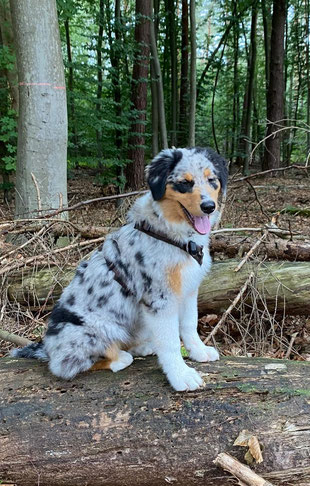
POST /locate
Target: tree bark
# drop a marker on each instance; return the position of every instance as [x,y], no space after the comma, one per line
[244,145]
[275,96]
[159,87]
[193,89]
[130,428]
[174,68]
[42,127]
[71,103]
[183,111]
[135,169]
[115,46]
[99,84]
[285,285]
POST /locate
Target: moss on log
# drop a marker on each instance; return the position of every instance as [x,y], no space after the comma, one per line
[130,428]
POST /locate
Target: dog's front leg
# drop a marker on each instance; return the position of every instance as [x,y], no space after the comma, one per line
[188,330]
[163,329]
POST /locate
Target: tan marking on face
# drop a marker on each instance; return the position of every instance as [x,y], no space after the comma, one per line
[188,177]
[172,199]
[175,279]
[207,173]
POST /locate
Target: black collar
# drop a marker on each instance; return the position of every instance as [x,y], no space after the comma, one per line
[194,250]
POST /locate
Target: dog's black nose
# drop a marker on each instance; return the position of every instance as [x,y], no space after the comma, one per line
[207,207]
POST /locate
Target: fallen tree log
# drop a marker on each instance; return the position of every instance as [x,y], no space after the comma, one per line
[130,428]
[284,285]
[278,248]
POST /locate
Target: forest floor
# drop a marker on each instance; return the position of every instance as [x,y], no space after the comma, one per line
[248,205]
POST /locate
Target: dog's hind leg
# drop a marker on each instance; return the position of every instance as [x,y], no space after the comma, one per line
[114,360]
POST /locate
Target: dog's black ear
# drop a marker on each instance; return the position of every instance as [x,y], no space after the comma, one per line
[159,169]
[221,167]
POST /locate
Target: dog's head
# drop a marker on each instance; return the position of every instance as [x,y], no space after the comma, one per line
[186,183]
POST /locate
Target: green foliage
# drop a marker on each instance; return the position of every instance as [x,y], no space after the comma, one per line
[99,90]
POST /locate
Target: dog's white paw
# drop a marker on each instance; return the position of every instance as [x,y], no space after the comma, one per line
[124,359]
[203,353]
[188,379]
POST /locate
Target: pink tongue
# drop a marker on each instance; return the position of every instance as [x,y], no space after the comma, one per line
[202,224]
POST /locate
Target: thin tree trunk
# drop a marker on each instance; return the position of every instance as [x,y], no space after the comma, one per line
[183,111]
[213,98]
[307,8]
[99,82]
[276,86]
[41,171]
[236,84]
[193,90]
[244,143]
[155,123]
[250,86]
[71,102]
[135,169]
[159,87]
[174,71]
[212,57]
[300,70]
[266,23]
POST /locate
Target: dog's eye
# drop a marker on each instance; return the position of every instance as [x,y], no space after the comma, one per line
[212,179]
[183,186]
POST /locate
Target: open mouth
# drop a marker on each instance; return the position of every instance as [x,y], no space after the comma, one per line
[201,224]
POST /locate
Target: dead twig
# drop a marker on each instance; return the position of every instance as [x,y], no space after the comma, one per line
[239,470]
[38,191]
[13,338]
[37,258]
[257,199]
[270,229]
[230,308]
[290,346]
[18,248]
[251,251]
[86,203]
[264,172]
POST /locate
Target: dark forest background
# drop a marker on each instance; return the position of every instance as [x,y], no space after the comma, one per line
[135,69]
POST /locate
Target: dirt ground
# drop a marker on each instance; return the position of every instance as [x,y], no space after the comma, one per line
[249,204]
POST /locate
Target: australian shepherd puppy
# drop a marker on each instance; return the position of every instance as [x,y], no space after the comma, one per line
[137,294]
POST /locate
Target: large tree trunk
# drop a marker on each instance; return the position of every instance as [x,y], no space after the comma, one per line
[275,96]
[42,127]
[285,284]
[130,428]
[135,169]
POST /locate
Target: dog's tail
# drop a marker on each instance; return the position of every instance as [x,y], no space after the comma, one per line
[33,350]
